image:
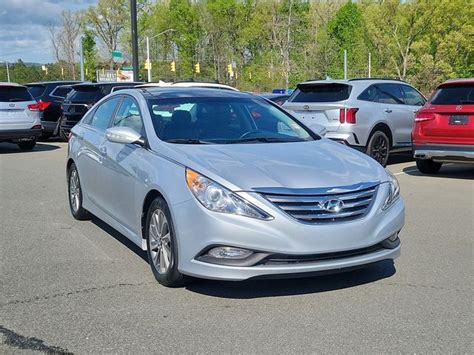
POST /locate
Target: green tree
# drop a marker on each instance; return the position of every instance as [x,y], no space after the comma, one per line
[90,54]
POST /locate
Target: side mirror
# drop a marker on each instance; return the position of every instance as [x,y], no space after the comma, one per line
[318,129]
[124,135]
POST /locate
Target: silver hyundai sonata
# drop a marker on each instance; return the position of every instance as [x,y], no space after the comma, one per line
[225,185]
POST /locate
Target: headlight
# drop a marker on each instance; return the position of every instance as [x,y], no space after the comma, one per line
[393,192]
[219,199]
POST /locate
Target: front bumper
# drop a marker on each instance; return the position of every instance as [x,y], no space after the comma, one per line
[17,135]
[282,236]
[444,152]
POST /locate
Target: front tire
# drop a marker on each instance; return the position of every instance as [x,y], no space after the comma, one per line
[428,166]
[75,195]
[379,147]
[162,248]
[27,145]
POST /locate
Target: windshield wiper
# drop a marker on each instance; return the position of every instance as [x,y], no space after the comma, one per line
[264,140]
[187,141]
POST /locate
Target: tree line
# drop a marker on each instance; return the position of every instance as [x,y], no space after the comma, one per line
[258,45]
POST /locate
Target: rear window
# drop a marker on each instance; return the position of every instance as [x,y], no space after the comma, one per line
[454,95]
[85,94]
[321,93]
[13,94]
[61,91]
[36,90]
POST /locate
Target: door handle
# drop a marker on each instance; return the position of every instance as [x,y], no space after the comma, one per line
[103,151]
[388,110]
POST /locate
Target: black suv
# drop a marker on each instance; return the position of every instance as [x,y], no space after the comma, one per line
[50,95]
[82,98]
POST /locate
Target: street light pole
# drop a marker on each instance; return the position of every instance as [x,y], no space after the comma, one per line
[8,71]
[81,54]
[133,6]
[148,49]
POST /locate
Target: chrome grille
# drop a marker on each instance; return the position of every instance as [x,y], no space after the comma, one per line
[317,208]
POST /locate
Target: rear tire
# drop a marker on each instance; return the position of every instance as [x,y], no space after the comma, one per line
[27,146]
[378,147]
[428,166]
[75,195]
[162,248]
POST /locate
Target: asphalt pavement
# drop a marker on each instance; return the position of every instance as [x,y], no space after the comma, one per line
[80,287]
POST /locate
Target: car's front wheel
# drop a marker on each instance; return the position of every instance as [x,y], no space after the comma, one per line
[379,147]
[428,166]
[75,194]
[27,145]
[162,247]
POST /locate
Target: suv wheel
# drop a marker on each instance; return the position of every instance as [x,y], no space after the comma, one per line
[162,248]
[27,145]
[75,194]
[428,166]
[379,147]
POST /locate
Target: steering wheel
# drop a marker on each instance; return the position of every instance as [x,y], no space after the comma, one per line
[246,134]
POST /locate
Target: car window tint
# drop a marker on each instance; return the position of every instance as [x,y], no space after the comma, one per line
[13,93]
[389,94]
[454,95]
[321,93]
[85,94]
[128,115]
[412,97]
[104,113]
[61,91]
[36,90]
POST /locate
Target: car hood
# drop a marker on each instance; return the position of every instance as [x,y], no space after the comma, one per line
[301,165]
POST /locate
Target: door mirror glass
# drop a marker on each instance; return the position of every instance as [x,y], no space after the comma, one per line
[124,135]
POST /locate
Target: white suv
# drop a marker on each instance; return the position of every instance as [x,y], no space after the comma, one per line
[372,115]
[20,121]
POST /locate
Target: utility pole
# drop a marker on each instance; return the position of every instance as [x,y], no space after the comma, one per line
[81,55]
[370,65]
[133,7]
[345,64]
[148,59]
[8,71]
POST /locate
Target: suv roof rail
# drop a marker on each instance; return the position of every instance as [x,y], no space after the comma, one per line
[382,78]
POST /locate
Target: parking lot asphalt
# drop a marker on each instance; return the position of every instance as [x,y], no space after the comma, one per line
[70,286]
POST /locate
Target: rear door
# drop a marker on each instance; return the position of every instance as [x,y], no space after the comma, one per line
[452,112]
[319,103]
[14,111]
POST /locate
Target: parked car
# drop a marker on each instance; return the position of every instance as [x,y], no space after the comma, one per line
[279,99]
[19,116]
[83,97]
[212,192]
[190,84]
[372,115]
[444,127]
[50,95]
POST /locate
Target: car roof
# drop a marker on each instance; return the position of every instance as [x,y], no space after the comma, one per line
[199,84]
[457,81]
[4,83]
[188,92]
[57,82]
[108,83]
[366,81]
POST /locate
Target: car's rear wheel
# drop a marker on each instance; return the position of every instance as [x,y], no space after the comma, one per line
[75,194]
[428,166]
[162,247]
[27,145]
[379,147]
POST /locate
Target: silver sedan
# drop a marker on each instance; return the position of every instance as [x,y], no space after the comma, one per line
[225,185]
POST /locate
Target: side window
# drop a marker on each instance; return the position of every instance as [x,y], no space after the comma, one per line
[412,97]
[102,115]
[389,94]
[128,115]
[370,94]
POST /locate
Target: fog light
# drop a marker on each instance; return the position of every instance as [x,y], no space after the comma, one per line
[229,253]
[393,237]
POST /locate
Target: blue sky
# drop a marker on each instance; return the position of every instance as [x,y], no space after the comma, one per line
[24,27]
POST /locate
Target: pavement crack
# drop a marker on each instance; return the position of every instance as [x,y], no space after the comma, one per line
[433,287]
[16,340]
[70,293]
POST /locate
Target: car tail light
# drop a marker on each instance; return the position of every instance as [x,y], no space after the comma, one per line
[424,116]
[348,115]
[39,106]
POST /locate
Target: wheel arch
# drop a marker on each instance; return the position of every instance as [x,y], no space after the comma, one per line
[381,126]
[150,196]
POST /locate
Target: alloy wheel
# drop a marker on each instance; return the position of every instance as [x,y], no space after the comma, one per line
[160,241]
[74,190]
[379,149]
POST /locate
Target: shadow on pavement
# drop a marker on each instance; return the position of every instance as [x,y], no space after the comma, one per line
[298,286]
[120,238]
[11,148]
[397,158]
[451,171]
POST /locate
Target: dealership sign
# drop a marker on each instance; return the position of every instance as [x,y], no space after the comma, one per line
[114,75]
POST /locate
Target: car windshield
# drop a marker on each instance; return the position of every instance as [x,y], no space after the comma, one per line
[454,95]
[331,92]
[84,94]
[224,121]
[14,93]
